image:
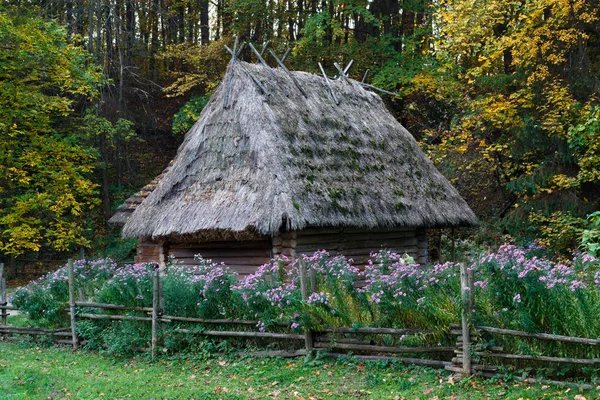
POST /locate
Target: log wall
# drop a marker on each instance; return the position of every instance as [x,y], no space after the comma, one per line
[151,251]
[243,257]
[359,244]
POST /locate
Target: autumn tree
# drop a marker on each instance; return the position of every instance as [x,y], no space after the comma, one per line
[520,79]
[46,186]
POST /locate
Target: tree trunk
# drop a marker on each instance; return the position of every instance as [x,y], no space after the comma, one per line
[204,24]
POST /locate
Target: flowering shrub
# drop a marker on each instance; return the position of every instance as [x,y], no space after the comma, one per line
[206,289]
[271,294]
[521,290]
[131,285]
[44,299]
[515,287]
[410,294]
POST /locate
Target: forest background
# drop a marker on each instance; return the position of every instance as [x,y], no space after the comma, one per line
[96,95]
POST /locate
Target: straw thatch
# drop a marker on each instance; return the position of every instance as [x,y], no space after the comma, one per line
[269,161]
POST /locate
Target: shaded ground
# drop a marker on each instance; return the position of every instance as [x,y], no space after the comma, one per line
[48,373]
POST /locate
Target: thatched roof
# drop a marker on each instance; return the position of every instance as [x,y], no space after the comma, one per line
[269,160]
[124,211]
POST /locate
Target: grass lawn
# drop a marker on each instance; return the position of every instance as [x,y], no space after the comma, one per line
[28,372]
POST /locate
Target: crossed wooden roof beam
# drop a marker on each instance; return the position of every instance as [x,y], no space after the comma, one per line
[343,72]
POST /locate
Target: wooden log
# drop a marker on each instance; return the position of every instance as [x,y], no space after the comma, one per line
[282,65]
[542,336]
[115,317]
[388,235]
[304,286]
[230,72]
[405,360]
[289,235]
[380,331]
[366,251]
[466,318]
[278,353]
[311,248]
[331,91]
[226,244]
[3,295]
[257,335]
[384,349]
[410,243]
[374,231]
[582,386]
[329,339]
[219,253]
[217,321]
[9,308]
[155,312]
[566,360]
[88,304]
[25,330]
[72,303]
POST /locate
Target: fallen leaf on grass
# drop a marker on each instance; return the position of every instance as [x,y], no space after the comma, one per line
[579,397]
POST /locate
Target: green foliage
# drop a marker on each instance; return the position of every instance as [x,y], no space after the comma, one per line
[46,187]
[27,372]
[96,126]
[590,237]
[187,115]
[520,289]
[45,299]
[519,122]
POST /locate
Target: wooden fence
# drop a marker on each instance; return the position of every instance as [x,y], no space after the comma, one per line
[466,355]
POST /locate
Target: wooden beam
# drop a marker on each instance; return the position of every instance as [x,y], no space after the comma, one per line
[230,72]
[282,65]
[256,81]
[71,272]
[335,99]
[365,75]
[348,67]
[341,71]
[264,63]
[378,89]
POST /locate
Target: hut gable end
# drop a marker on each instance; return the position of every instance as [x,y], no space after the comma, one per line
[270,159]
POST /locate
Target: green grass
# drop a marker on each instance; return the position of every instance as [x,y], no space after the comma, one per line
[28,372]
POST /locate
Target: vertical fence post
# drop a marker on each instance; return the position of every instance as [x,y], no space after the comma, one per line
[465,289]
[3,297]
[308,337]
[155,305]
[72,303]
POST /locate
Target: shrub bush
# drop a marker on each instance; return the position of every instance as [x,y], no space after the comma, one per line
[518,288]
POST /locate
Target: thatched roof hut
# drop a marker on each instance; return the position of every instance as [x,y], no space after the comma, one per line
[277,160]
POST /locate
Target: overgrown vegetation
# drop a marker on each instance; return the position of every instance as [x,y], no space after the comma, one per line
[516,288]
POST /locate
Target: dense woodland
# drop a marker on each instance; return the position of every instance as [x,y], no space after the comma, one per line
[95,96]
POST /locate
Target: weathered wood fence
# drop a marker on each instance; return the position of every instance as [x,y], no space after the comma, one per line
[469,354]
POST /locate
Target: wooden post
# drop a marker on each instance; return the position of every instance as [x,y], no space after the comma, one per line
[308,337]
[72,303]
[155,306]
[466,295]
[312,280]
[81,294]
[452,238]
[3,298]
